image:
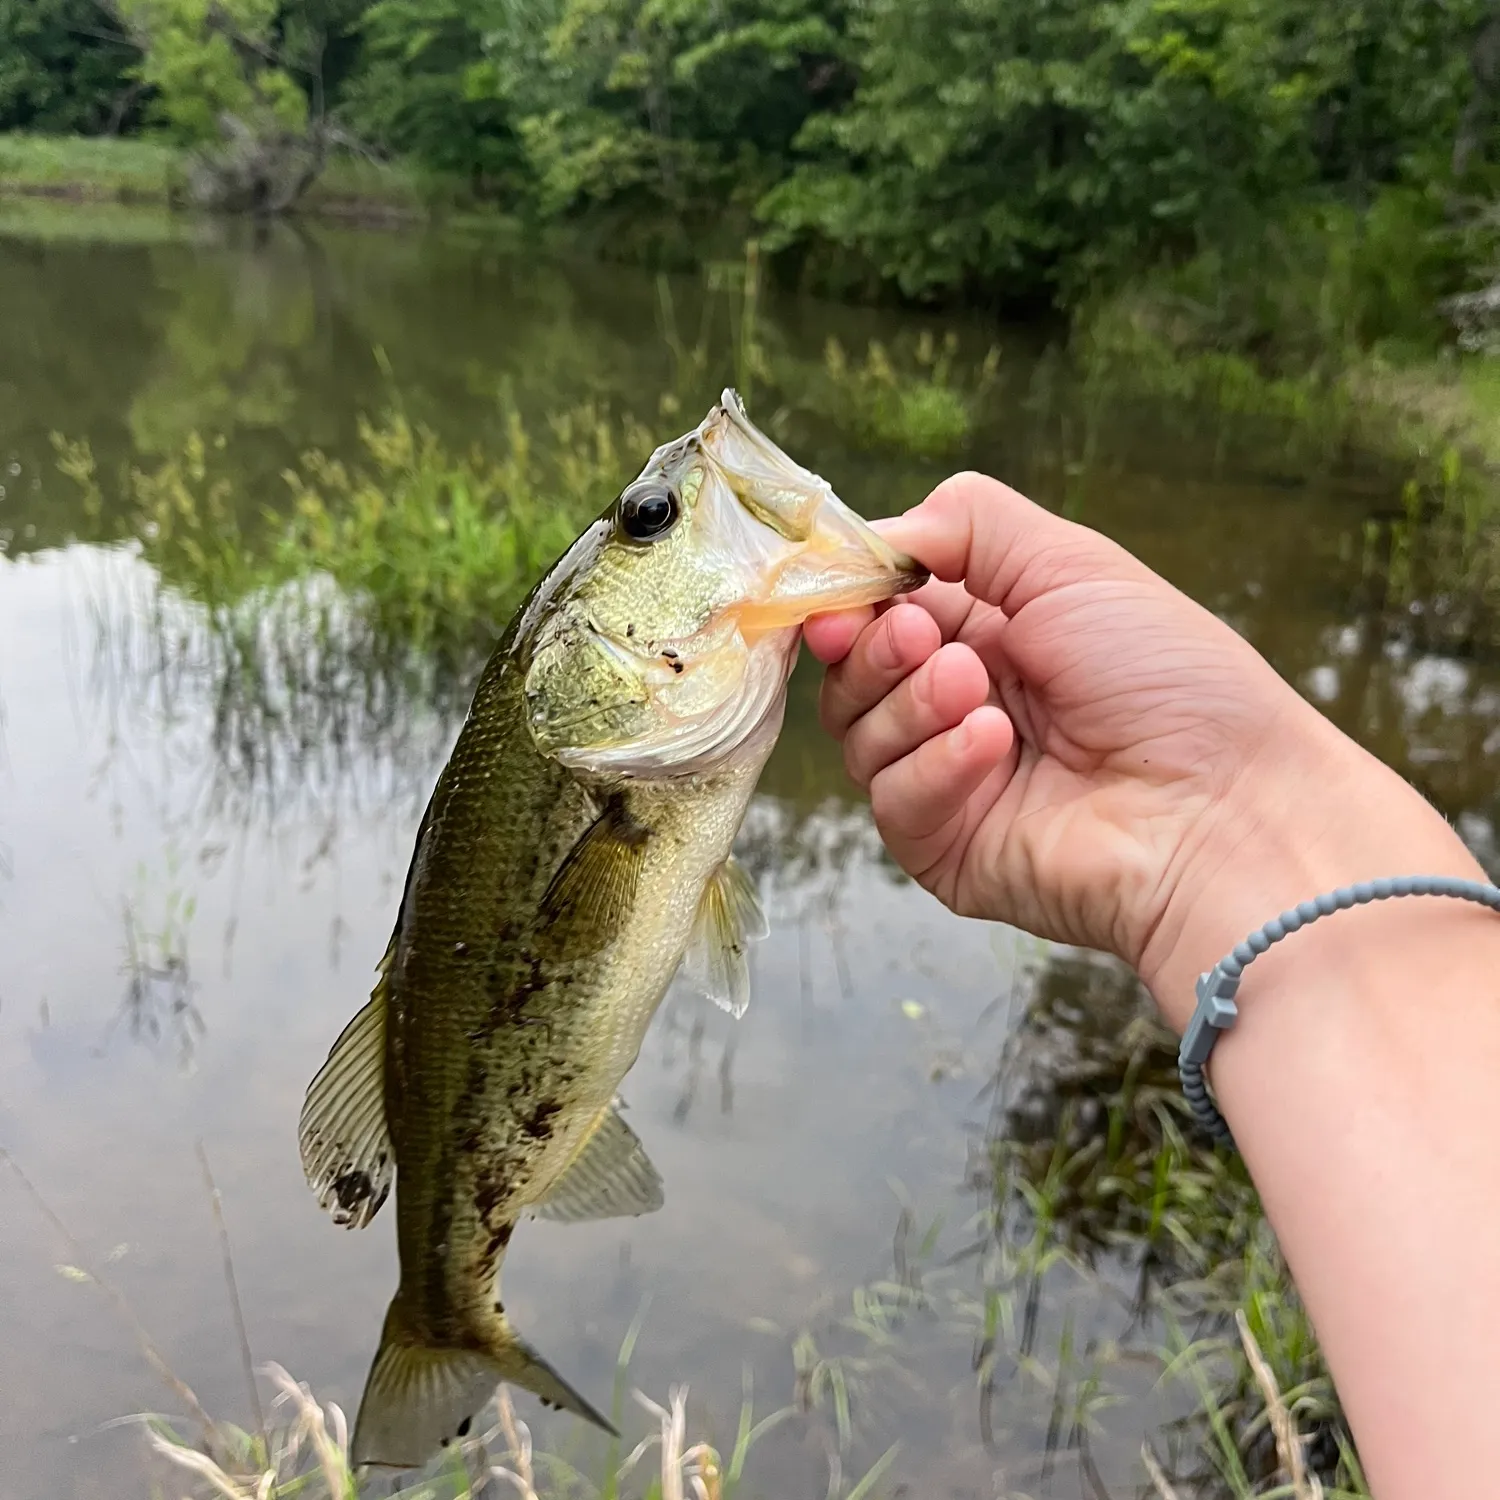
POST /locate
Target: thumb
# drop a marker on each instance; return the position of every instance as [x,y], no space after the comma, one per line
[1001,546]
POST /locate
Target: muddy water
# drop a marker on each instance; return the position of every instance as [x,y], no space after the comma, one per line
[192,903]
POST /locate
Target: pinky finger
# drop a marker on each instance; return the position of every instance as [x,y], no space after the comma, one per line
[921,801]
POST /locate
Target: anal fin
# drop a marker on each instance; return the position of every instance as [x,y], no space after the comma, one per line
[611,1177]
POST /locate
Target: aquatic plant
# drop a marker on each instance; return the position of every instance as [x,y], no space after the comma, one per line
[1093,1165]
[305,1452]
[430,549]
[919,401]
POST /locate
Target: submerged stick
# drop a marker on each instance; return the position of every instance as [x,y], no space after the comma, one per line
[217,1203]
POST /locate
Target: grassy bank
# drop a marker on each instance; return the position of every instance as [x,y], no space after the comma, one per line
[95,169]
[1332,334]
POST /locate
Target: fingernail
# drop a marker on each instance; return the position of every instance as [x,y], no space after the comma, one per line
[961,738]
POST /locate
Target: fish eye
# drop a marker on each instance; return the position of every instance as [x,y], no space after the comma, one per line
[648,510]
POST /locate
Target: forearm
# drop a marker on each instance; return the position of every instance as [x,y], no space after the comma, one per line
[1361,1083]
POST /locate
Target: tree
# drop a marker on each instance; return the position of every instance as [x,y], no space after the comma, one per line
[1033,149]
[64,69]
[246,74]
[422,90]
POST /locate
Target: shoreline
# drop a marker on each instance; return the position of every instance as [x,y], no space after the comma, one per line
[1411,409]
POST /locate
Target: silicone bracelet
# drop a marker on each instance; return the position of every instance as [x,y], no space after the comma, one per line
[1217,1010]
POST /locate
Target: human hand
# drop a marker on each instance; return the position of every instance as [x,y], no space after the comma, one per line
[1053,736]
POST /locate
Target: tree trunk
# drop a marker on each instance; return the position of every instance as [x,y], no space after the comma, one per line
[263,175]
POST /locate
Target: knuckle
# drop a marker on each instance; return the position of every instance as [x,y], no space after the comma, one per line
[857,773]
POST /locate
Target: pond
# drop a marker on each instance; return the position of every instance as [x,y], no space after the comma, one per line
[194,895]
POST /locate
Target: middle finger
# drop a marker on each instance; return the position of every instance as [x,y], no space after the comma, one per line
[940,694]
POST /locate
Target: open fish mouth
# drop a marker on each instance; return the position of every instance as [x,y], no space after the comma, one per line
[832,557]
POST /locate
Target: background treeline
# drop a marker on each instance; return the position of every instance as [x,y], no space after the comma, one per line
[1027,153]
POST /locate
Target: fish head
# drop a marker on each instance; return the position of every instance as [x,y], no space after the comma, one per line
[662,643]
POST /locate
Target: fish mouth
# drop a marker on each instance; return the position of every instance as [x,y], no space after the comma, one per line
[832,559]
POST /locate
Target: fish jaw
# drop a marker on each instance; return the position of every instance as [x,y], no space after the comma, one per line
[844,564]
[830,558]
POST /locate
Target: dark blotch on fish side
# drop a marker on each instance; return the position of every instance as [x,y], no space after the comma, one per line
[353,1188]
[464,1426]
[491,1188]
[539,1125]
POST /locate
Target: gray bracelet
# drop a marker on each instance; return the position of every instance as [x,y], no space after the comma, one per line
[1217,1011]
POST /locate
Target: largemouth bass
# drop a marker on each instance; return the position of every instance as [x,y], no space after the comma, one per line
[574,852]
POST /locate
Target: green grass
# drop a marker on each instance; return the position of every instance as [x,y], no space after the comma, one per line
[144,170]
[916,401]
[127,170]
[1096,1169]
[1317,367]
[357,185]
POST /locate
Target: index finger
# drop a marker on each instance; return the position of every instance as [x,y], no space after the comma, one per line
[884,655]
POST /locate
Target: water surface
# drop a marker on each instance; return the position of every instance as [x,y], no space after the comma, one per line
[192,903]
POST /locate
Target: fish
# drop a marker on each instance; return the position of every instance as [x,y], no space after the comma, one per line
[575,855]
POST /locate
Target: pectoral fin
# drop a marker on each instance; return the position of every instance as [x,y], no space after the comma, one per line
[346,1145]
[729,919]
[595,885]
[610,1178]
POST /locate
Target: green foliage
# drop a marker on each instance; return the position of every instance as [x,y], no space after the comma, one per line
[428,550]
[1025,154]
[202,60]
[422,91]
[63,68]
[927,408]
[672,102]
[645,110]
[1039,150]
[1303,293]
[1030,149]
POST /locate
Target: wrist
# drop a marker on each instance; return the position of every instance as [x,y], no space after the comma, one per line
[1316,813]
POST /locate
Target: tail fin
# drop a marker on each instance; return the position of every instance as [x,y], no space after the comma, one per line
[420,1396]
